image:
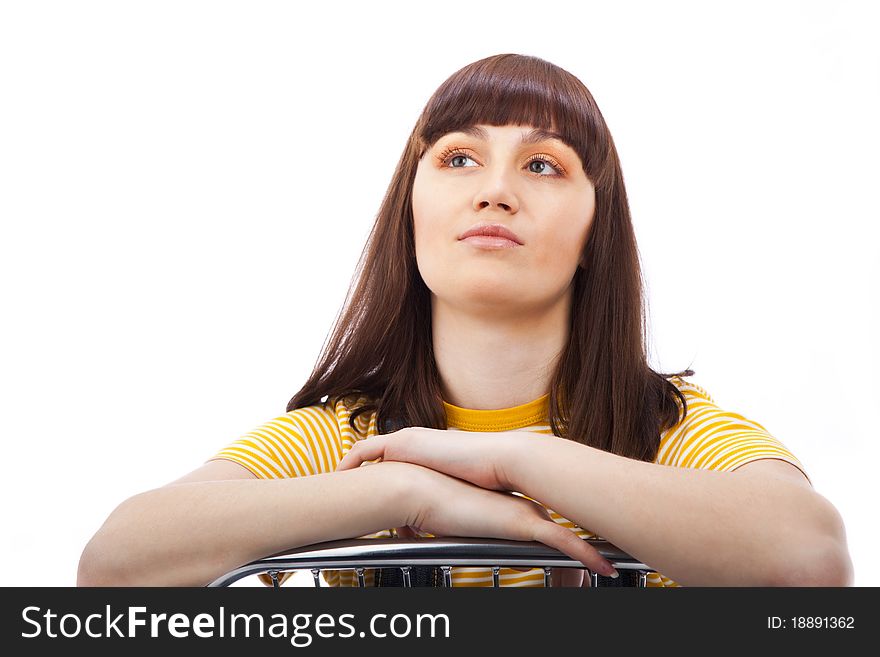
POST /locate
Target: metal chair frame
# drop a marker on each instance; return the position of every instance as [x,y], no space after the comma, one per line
[359,554]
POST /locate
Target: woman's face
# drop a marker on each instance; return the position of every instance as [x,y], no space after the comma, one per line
[498,175]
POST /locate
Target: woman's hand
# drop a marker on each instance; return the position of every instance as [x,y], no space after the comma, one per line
[447,506]
[477,457]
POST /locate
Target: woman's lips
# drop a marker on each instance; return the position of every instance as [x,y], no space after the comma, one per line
[489,242]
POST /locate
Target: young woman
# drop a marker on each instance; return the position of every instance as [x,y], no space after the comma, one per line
[490,368]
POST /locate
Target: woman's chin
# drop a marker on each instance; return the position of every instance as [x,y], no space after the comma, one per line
[484,296]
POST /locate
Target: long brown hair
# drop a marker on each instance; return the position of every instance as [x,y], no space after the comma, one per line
[380,354]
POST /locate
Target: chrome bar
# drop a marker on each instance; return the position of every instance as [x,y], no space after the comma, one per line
[360,573]
[362,553]
[496,576]
[273,574]
[447,576]
[316,575]
[594,578]
[546,576]
[406,580]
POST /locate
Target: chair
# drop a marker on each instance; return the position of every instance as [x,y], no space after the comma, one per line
[408,553]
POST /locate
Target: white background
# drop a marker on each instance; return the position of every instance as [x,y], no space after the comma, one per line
[185,189]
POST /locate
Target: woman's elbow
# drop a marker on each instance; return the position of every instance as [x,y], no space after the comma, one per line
[102,560]
[829,567]
[95,566]
[842,573]
[826,561]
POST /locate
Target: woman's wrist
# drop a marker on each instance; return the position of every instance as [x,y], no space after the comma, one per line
[400,483]
[513,457]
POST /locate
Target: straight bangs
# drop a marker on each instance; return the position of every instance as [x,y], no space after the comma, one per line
[518,90]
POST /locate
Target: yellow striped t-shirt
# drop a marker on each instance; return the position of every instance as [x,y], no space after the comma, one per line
[313,439]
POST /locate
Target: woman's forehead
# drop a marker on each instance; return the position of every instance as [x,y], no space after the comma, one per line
[530,133]
[523,134]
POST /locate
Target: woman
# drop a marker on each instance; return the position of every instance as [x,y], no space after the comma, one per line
[469,367]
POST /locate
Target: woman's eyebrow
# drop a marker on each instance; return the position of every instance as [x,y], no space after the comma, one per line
[532,137]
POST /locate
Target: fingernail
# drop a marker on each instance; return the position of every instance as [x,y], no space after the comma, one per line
[610,571]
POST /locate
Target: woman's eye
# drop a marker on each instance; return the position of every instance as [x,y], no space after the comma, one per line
[459,158]
[545,165]
[545,168]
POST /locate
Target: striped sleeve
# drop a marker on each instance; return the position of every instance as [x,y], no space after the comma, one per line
[710,438]
[299,443]
[302,442]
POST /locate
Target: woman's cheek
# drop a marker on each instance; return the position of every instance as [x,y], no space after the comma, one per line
[552,252]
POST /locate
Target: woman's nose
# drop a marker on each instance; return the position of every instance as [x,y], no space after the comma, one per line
[497,194]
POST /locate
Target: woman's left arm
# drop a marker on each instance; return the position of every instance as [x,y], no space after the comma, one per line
[697,527]
[756,526]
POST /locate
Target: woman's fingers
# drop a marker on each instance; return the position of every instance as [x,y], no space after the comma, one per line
[477,461]
[541,527]
[361,451]
[567,542]
[447,506]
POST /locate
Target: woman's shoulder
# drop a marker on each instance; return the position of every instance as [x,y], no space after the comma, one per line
[700,405]
[303,441]
[691,390]
[339,414]
[716,438]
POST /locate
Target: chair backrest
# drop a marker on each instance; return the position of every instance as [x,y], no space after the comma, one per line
[445,553]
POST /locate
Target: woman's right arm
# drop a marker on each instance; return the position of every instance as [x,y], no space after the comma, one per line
[221,516]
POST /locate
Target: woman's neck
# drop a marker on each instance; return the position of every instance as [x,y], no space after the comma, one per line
[489,363]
